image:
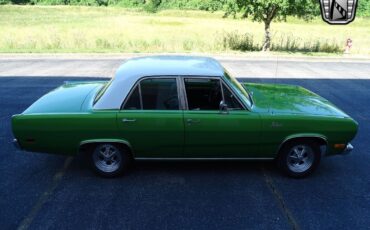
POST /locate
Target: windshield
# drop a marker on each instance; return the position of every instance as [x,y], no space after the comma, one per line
[241,90]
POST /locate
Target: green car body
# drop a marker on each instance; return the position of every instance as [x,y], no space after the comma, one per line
[70,117]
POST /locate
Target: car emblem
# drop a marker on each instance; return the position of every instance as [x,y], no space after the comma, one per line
[338,11]
[275,124]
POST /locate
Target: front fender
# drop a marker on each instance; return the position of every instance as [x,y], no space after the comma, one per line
[321,137]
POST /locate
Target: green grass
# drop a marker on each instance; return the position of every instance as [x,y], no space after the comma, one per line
[64,29]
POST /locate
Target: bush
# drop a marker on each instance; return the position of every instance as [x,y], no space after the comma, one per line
[152,6]
[285,43]
[148,5]
[155,5]
[242,42]
[289,43]
[294,44]
[330,47]
[3,2]
[209,5]
[363,8]
[127,3]
[71,2]
[21,2]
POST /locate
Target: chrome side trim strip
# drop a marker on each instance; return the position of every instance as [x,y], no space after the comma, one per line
[202,158]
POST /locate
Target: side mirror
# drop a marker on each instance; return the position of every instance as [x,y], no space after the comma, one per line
[223,107]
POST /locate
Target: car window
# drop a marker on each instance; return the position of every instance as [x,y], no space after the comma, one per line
[230,99]
[134,100]
[154,94]
[203,94]
[159,94]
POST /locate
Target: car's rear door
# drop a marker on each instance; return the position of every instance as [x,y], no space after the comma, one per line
[211,133]
[151,119]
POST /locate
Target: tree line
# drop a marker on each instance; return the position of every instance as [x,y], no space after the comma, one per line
[209,5]
[265,11]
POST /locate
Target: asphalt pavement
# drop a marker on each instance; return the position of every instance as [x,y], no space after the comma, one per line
[40,191]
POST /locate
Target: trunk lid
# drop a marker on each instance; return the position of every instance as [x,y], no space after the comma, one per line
[71,97]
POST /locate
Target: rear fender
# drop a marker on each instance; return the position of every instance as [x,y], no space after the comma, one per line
[96,141]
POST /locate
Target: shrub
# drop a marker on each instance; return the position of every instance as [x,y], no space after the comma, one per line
[127,3]
[295,44]
[289,43]
[188,45]
[330,47]
[152,6]
[18,1]
[285,43]
[242,42]
[103,43]
[363,8]
[3,2]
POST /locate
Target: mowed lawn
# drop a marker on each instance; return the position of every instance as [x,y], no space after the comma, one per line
[111,29]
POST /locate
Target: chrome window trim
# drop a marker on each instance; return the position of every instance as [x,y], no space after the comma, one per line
[236,96]
[222,81]
[138,83]
[195,77]
[250,98]
[181,90]
[140,97]
[182,101]
[222,91]
[129,95]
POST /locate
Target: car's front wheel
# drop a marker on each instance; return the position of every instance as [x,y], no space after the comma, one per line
[109,160]
[299,159]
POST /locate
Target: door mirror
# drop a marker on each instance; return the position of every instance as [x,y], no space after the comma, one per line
[223,107]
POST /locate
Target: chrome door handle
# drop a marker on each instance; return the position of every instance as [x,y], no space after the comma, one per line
[128,120]
[190,121]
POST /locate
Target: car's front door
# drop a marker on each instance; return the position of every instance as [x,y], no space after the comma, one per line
[211,133]
[151,119]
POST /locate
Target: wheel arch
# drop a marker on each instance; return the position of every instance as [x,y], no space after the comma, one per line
[92,142]
[320,139]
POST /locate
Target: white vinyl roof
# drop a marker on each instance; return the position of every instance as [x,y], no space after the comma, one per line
[134,69]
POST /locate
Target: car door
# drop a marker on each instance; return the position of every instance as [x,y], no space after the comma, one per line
[151,119]
[211,133]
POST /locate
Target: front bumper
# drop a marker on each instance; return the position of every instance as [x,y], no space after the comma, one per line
[348,149]
[16,144]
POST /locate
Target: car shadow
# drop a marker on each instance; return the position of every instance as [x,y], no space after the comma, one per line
[138,167]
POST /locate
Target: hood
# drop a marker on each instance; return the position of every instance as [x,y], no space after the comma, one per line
[68,98]
[289,99]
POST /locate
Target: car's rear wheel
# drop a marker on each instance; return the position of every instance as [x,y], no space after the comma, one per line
[109,160]
[299,159]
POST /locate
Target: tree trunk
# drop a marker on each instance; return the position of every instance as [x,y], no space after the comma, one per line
[267,41]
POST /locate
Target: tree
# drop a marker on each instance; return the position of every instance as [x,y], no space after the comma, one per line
[268,10]
[363,8]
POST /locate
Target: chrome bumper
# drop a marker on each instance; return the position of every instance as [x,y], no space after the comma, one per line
[16,144]
[348,149]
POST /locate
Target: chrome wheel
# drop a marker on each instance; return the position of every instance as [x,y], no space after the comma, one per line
[300,158]
[107,158]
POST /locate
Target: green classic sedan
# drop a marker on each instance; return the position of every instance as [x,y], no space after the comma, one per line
[184,108]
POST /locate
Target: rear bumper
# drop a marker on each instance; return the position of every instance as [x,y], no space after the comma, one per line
[16,144]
